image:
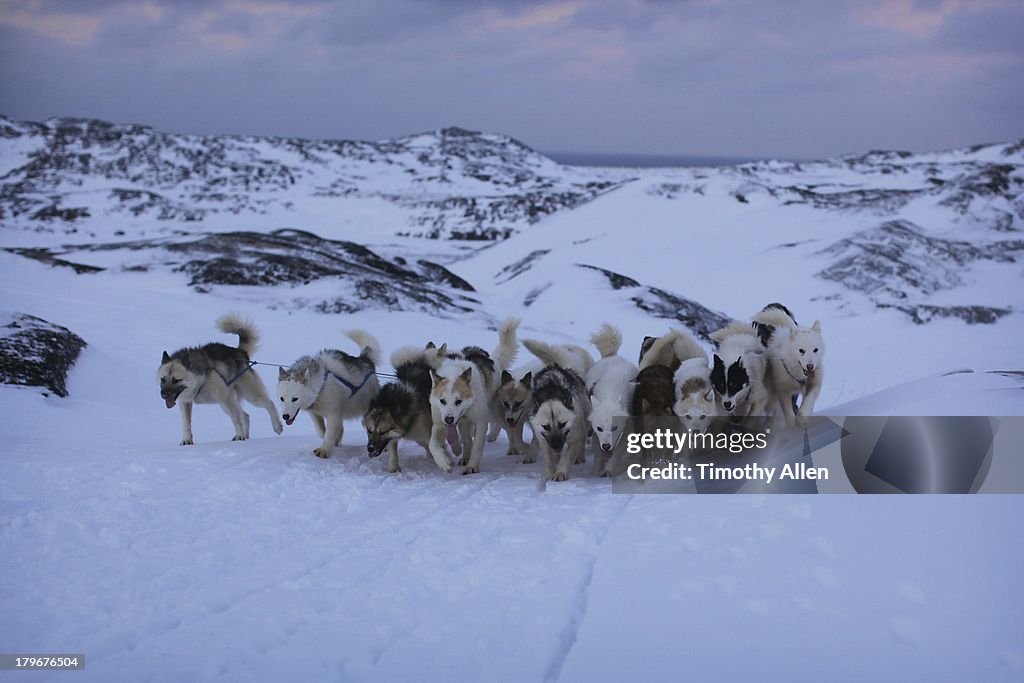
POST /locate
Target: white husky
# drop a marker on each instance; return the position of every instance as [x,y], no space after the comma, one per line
[796,355]
[331,386]
[695,397]
[610,386]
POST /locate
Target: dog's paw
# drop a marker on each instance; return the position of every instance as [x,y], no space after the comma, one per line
[187,442]
[606,473]
[472,470]
[528,460]
[393,470]
[464,460]
[322,452]
[238,437]
[492,439]
[559,476]
[580,459]
[278,428]
[800,420]
[447,466]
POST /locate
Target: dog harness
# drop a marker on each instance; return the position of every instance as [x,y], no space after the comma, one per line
[237,375]
[351,387]
[795,378]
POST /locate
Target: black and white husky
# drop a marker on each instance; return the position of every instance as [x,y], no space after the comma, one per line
[738,372]
[401,410]
[216,373]
[560,409]
[331,386]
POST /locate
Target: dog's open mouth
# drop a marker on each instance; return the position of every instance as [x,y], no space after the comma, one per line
[289,419]
[170,401]
[809,374]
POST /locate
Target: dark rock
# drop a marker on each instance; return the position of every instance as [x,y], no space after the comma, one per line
[972,315]
[663,304]
[898,259]
[519,267]
[284,257]
[37,353]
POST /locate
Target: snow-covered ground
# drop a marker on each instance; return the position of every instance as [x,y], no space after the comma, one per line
[256,561]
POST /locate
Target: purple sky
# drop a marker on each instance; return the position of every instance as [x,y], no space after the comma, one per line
[803,78]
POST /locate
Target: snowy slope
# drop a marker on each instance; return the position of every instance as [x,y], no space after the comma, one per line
[260,562]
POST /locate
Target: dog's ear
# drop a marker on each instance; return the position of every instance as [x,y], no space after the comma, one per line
[281,374]
[645,405]
[434,377]
[466,375]
[305,374]
[165,359]
[816,326]
[527,380]
[506,377]
[710,395]
[718,374]
[442,350]
[430,345]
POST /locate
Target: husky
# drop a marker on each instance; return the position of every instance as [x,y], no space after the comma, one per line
[460,409]
[515,390]
[401,410]
[559,418]
[795,355]
[216,373]
[670,350]
[738,372]
[610,388]
[331,386]
[504,355]
[513,400]
[560,407]
[695,397]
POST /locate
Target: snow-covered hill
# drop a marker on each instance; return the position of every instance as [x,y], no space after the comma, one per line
[262,562]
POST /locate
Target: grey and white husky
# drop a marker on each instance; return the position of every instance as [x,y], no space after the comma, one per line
[331,386]
[216,373]
[560,410]
[402,409]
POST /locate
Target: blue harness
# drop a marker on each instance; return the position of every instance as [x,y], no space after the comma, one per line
[351,387]
[229,382]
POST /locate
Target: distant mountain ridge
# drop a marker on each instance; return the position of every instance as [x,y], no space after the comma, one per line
[450,183]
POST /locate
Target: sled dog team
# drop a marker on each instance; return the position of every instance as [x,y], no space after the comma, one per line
[449,401]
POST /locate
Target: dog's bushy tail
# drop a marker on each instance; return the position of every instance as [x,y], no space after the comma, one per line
[732,329]
[774,316]
[406,354]
[686,347]
[607,340]
[508,346]
[369,347]
[248,335]
[676,346]
[547,353]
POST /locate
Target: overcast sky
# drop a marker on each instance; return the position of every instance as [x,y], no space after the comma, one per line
[800,78]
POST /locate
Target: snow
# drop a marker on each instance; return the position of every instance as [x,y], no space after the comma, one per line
[257,561]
